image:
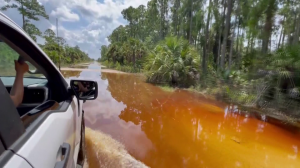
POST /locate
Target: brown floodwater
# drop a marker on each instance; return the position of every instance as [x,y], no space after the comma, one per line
[133,124]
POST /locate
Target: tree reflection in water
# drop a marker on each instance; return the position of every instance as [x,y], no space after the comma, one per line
[68,74]
[187,130]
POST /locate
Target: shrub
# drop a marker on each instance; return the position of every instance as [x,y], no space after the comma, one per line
[173,61]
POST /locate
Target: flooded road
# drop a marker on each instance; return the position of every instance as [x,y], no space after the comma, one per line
[132,122]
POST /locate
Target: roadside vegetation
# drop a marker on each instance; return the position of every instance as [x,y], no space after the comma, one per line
[55,47]
[245,52]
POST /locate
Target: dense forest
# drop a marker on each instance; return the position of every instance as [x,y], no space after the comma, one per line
[246,51]
[55,47]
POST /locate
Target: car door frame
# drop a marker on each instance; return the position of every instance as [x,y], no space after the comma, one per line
[21,42]
[11,128]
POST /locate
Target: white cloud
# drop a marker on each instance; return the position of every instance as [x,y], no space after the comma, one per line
[91,37]
[102,20]
[94,9]
[65,14]
[92,21]
[108,9]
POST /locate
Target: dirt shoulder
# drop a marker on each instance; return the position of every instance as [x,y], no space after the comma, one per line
[112,71]
[94,70]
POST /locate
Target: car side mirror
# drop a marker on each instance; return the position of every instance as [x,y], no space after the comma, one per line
[84,89]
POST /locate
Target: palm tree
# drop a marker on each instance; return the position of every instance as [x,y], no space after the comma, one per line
[173,61]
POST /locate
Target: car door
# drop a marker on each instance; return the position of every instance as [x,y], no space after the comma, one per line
[52,143]
[9,132]
[51,139]
[14,161]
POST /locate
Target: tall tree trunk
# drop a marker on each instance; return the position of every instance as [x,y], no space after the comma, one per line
[290,38]
[267,30]
[227,26]
[252,43]
[161,19]
[178,27]
[281,33]
[270,45]
[231,45]
[238,31]
[181,28]
[283,38]
[191,22]
[296,32]
[220,34]
[230,54]
[176,17]
[195,40]
[165,14]
[237,44]
[219,49]
[248,45]
[134,57]
[242,40]
[208,48]
[198,39]
[23,17]
[204,65]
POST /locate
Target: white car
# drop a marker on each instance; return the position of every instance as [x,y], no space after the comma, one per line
[47,129]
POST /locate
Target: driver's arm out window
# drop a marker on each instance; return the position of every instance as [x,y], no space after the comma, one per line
[8,72]
[9,67]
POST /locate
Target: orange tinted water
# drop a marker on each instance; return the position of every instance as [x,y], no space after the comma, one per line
[181,129]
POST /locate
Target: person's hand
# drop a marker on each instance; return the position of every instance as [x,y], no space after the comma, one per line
[21,68]
[82,88]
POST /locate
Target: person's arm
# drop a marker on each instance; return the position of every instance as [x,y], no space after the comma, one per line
[82,88]
[17,91]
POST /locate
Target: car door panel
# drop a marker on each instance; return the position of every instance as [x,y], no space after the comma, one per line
[42,149]
[16,161]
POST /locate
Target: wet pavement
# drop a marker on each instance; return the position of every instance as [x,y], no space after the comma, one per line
[134,121]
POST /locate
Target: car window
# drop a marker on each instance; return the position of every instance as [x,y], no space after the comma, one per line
[7,66]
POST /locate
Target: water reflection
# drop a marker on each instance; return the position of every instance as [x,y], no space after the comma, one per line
[182,129]
[69,74]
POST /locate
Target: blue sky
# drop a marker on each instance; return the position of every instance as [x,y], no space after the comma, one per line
[85,23]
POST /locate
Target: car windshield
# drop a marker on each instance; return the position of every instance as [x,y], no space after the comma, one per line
[7,65]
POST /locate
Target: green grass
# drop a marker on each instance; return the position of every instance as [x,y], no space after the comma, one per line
[117,66]
[167,88]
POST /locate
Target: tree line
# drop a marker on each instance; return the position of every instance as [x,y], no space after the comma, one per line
[55,47]
[208,42]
